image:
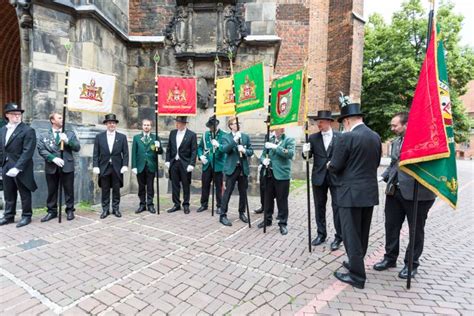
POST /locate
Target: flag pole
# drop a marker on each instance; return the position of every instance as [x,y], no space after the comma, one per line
[214,135]
[411,244]
[68,48]
[267,139]
[156,58]
[306,137]
[230,56]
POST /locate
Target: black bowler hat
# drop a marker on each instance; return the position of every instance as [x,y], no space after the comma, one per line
[110,118]
[213,121]
[181,119]
[12,107]
[322,115]
[352,109]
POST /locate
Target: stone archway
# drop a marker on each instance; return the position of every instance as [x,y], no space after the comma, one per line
[10,55]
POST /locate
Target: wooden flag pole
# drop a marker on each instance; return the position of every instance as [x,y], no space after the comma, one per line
[156,58]
[306,136]
[214,135]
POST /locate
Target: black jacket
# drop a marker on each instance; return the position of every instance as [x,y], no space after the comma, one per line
[48,149]
[102,155]
[355,161]
[187,150]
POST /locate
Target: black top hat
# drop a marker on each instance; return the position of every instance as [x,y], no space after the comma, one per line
[181,119]
[110,118]
[12,107]
[352,109]
[213,121]
[322,115]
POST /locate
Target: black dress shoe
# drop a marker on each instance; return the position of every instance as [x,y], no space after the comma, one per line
[174,209]
[318,241]
[346,265]
[224,221]
[6,221]
[140,209]
[404,273]
[243,218]
[49,217]
[283,230]
[258,210]
[117,213]
[70,215]
[186,210]
[104,214]
[261,224]
[202,209]
[23,222]
[336,244]
[384,265]
[151,209]
[346,278]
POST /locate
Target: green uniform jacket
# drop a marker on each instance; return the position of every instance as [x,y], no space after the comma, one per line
[232,157]
[144,153]
[205,148]
[281,157]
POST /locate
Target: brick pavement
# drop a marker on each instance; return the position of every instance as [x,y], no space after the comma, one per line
[181,264]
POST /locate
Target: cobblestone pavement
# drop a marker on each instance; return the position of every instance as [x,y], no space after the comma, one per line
[190,264]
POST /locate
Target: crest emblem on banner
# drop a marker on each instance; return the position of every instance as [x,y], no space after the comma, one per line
[91,92]
[247,90]
[176,95]
[229,96]
[284,102]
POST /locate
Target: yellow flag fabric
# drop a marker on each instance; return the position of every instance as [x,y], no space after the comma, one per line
[225,104]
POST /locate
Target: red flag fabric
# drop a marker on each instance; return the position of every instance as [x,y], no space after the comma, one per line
[177,96]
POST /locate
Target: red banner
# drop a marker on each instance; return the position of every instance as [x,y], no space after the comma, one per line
[177,96]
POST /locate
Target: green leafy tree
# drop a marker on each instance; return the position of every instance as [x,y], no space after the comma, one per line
[393,55]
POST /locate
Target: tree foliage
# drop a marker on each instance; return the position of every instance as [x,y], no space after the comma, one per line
[393,55]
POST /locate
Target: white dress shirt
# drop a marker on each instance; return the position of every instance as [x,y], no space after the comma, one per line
[10,129]
[352,128]
[327,137]
[179,140]
[110,140]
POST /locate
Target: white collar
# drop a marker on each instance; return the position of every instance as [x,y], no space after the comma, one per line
[182,132]
[352,128]
[11,125]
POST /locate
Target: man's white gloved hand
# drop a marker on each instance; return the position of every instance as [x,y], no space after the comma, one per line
[189,168]
[58,162]
[379,179]
[63,137]
[237,137]
[306,148]
[95,170]
[241,149]
[135,170]
[13,172]
[157,144]
[266,162]
[123,169]
[215,143]
[269,145]
[167,164]
[203,159]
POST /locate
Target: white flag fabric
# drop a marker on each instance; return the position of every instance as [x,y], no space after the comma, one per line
[90,91]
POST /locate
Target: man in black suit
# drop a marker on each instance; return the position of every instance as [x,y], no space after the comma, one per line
[181,155]
[399,204]
[355,162]
[55,167]
[17,146]
[110,161]
[320,147]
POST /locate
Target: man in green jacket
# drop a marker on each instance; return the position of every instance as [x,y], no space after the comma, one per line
[208,147]
[145,147]
[277,159]
[238,150]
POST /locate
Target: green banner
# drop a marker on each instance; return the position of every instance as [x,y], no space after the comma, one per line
[286,97]
[249,85]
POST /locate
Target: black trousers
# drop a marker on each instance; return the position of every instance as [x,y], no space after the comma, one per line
[110,180]
[206,180]
[242,185]
[67,182]
[396,209]
[146,189]
[178,176]
[355,223]
[320,196]
[279,190]
[262,186]
[11,187]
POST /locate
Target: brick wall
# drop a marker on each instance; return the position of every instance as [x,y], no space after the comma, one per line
[150,17]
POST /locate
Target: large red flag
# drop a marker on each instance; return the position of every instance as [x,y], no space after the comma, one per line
[176,96]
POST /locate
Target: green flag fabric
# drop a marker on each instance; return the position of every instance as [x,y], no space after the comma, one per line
[286,97]
[249,85]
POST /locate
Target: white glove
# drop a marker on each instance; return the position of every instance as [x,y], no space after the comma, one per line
[306,147]
[203,159]
[95,170]
[58,162]
[135,170]
[13,172]
[379,179]
[123,169]
[237,137]
[259,168]
[215,143]
[241,149]
[63,137]
[269,145]
[189,168]
[266,162]
[157,144]
[167,164]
